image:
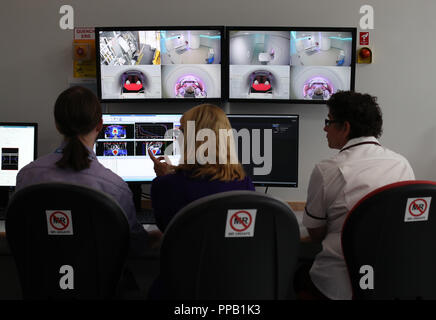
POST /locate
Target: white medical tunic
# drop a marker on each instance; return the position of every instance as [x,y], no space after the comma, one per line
[335,186]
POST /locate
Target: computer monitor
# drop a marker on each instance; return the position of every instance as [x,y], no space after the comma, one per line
[18,147]
[159,63]
[290,64]
[123,143]
[268,148]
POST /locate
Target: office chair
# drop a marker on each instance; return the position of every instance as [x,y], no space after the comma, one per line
[389,242]
[68,241]
[203,255]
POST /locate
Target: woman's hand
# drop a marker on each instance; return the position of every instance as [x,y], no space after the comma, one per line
[162,165]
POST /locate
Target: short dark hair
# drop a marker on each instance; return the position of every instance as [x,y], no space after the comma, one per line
[360,110]
[77,111]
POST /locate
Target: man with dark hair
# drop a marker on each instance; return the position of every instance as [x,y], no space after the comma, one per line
[362,165]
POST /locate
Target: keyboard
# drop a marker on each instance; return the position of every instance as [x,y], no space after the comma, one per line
[146,216]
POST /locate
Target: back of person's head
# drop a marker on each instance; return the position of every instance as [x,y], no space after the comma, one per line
[360,110]
[208,116]
[77,112]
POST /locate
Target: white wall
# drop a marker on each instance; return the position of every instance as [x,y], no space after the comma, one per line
[243,52]
[36,50]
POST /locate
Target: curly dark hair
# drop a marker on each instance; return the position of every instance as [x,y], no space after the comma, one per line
[360,110]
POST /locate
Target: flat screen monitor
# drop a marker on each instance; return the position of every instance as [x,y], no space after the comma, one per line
[18,147]
[159,63]
[123,143]
[290,64]
[268,148]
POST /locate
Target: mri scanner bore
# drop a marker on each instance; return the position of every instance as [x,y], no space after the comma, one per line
[261,82]
[191,81]
[318,82]
[190,87]
[133,81]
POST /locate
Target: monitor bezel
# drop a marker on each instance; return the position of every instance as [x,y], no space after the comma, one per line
[35,142]
[160,28]
[353,31]
[272,183]
[136,182]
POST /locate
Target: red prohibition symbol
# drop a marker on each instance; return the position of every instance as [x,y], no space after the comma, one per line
[416,206]
[240,218]
[54,218]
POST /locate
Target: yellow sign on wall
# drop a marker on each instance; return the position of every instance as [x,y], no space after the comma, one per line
[84,65]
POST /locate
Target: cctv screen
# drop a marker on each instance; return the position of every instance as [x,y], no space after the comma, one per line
[289,65]
[159,64]
[267,147]
[17,149]
[123,143]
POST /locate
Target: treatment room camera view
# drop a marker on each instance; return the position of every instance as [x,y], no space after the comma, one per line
[130,64]
[320,64]
[259,64]
[191,64]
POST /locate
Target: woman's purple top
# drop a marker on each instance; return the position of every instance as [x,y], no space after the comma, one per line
[172,192]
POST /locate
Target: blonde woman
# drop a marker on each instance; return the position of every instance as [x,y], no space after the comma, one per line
[206,167]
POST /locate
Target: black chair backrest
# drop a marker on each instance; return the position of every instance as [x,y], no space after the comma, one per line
[39,219]
[389,242]
[203,255]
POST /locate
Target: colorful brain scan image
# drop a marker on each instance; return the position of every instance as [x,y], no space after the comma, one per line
[115,132]
[115,149]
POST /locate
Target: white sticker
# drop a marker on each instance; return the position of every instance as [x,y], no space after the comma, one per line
[417,209]
[240,223]
[59,222]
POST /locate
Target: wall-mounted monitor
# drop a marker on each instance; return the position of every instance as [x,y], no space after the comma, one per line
[123,143]
[159,63]
[289,64]
[267,147]
[18,147]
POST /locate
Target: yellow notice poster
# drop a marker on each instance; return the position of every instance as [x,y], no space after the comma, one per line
[84,65]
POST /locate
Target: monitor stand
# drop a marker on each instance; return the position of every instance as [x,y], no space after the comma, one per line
[136,189]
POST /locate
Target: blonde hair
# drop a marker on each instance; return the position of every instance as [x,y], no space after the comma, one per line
[209,116]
